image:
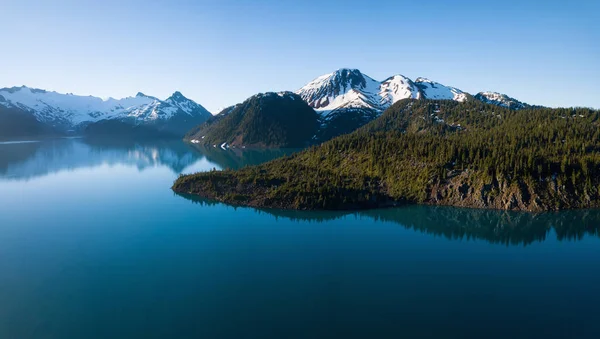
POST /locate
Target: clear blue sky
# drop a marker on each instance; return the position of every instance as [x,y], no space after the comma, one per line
[219,52]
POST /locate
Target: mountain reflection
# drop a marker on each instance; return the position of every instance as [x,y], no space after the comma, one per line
[234,158]
[22,161]
[498,227]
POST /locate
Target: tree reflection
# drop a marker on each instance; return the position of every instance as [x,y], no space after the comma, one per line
[497,227]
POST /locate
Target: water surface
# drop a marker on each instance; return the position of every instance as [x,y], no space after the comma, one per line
[94,244]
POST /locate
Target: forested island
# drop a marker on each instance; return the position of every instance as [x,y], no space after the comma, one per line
[468,154]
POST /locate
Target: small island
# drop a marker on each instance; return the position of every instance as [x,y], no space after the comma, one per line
[466,154]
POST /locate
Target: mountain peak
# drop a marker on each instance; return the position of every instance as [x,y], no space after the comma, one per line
[188,106]
[348,71]
[177,96]
[396,76]
[500,99]
[396,88]
[352,76]
[19,88]
[422,79]
[343,88]
[282,94]
[436,91]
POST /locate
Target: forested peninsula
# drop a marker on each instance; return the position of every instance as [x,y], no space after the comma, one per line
[467,154]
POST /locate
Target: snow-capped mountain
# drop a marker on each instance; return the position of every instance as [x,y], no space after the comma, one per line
[73,112]
[502,100]
[436,91]
[344,88]
[350,89]
[347,99]
[396,88]
[188,106]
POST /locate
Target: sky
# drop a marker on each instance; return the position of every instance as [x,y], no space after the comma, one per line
[220,52]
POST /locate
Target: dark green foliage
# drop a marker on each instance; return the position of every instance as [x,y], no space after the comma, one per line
[345,121]
[18,124]
[437,152]
[264,120]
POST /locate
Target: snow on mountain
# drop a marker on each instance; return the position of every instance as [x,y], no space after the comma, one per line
[344,88]
[69,111]
[351,89]
[396,88]
[437,91]
[502,100]
[348,99]
[188,106]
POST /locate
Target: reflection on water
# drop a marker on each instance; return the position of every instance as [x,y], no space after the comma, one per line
[94,244]
[234,158]
[501,227]
[22,161]
[27,160]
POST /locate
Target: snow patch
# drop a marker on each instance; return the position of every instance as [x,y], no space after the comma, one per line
[437,91]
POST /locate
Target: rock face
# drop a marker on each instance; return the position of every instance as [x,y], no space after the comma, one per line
[68,113]
[502,194]
[263,120]
[460,191]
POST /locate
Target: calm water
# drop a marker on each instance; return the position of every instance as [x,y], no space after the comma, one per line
[94,244]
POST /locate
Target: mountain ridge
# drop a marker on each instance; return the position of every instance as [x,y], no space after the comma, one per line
[347,99]
[501,100]
[69,113]
[350,88]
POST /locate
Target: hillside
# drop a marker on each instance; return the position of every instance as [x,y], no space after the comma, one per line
[18,124]
[468,154]
[264,120]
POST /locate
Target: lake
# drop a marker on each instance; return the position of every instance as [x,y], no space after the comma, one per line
[94,244]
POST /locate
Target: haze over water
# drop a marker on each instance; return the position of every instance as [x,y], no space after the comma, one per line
[94,244]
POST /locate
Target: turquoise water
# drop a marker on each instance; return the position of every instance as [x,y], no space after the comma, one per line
[94,244]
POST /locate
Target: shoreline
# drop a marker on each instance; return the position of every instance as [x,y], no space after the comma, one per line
[369,207]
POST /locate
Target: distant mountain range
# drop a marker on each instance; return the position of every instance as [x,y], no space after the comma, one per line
[344,100]
[67,113]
